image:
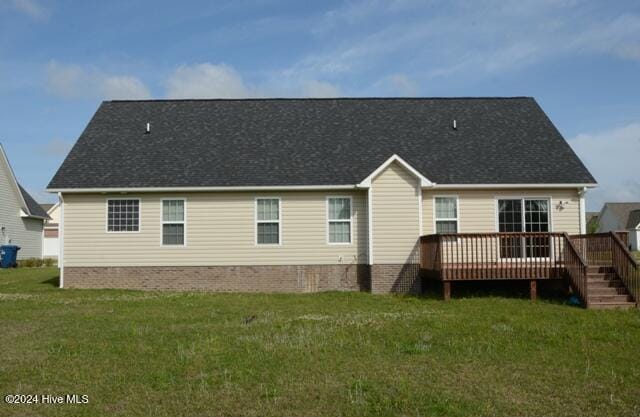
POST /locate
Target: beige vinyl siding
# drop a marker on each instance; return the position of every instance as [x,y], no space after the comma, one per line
[220,230]
[477,208]
[24,232]
[395,215]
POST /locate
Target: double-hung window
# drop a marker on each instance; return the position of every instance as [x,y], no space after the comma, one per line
[123,215]
[446,218]
[173,222]
[339,219]
[524,215]
[268,221]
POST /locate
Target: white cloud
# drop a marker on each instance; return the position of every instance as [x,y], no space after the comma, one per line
[444,38]
[73,81]
[613,157]
[124,87]
[320,89]
[31,8]
[207,81]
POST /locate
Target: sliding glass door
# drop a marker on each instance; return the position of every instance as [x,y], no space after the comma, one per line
[524,215]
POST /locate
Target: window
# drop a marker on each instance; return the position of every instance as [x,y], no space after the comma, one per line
[524,215]
[173,222]
[446,214]
[339,218]
[268,221]
[123,215]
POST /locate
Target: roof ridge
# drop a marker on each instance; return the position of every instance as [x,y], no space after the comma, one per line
[322,99]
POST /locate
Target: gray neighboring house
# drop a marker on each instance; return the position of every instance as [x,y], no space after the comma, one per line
[21,217]
[622,216]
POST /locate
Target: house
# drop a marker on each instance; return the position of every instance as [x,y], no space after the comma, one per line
[21,218]
[303,195]
[622,217]
[50,239]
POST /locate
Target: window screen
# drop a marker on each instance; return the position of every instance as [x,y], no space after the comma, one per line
[339,218]
[173,221]
[268,221]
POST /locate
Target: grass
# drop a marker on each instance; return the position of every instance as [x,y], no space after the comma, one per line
[330,354]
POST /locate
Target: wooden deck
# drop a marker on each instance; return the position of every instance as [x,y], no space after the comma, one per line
[529,256]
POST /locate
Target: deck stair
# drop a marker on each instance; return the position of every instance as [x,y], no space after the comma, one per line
[606,290]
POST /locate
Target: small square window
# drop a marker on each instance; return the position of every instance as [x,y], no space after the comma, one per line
[123,215]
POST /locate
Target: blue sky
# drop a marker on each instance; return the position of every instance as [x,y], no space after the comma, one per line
[579,59]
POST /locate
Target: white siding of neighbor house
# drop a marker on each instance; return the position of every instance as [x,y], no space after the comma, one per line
[51,245]
[26,233]
[220,230]
[54,213]
[396,222]
[477,209]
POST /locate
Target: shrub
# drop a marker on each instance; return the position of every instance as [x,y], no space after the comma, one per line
[36,263]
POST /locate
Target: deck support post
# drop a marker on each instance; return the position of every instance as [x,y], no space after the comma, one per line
[446,290]
[533,289]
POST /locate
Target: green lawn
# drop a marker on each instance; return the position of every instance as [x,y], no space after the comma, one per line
[173,354]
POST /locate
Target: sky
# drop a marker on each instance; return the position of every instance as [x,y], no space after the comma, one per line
[579,59]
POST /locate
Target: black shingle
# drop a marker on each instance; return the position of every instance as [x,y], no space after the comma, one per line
[34,208]
[277,142]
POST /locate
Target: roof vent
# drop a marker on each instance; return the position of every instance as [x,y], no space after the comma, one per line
[148,128]
[455,124]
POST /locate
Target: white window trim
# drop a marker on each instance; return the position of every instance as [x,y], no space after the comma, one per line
[183,222]
[279,221]
[435,215]
[106,215]
[520,197]
[350,242]
[523,199]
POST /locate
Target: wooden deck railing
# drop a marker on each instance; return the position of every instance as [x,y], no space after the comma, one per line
[595,248]
[625,265]
[576,269]
[531,256]
[477,256]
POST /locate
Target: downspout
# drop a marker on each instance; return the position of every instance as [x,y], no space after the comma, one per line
[61,241]
[370,223]
[583,215]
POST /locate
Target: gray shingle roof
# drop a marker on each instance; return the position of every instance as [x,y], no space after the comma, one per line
[634,219]
[34,208]
[281,142]
[46,206]
[622,212]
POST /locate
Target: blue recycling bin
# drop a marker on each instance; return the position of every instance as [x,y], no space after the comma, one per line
[9,256]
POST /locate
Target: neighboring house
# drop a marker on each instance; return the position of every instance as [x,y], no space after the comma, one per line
[21,218]
[622,217]
[303,195]
[51,241]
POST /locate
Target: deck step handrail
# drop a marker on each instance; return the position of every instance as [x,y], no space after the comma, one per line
[577,270]
[625,266]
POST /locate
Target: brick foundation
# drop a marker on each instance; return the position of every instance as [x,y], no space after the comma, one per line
[395,278]
[265,278]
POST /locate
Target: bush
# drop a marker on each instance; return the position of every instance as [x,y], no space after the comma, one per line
[36,263]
